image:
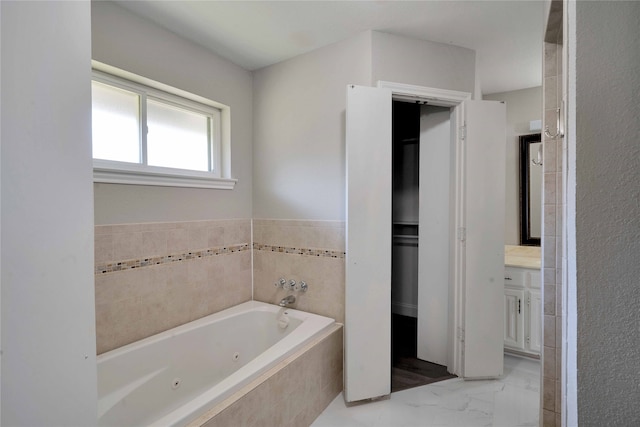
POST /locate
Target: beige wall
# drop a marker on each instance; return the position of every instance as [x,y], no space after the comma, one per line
[299,151]
[123,40]
[522,106]
[423,63]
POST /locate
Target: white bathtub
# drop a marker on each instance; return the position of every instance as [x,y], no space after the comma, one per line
[171,378]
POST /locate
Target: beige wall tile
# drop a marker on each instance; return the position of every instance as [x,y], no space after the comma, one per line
[553,242]
[549,394]
[550,156]
[154,243]
[549,275]
[549,359]
[300,234]
[559,52]
[158,226]
[335,238]
[103,229]
[127,245]
[550,59]
[550,188]
[177,241]
[126,228]
[550,92]
[549,331]
[167,295]
[548,418]
[198,237]
[135,303]
[324,276]
[197,272]
[558,404]
[550,300]
[103,248]
[559,188]
[549,251]
[293,396]
[549,220]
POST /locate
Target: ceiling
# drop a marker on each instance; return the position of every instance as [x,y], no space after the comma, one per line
[506,35]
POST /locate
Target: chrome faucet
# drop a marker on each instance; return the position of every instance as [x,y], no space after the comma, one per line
[289,299]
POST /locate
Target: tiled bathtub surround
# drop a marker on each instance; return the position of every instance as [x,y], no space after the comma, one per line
[293,393]
[312,251]
[153,277]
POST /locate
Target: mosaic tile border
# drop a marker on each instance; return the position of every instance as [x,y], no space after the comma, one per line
[167,259]
[300,251]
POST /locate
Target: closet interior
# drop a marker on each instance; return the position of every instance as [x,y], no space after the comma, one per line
[410,121]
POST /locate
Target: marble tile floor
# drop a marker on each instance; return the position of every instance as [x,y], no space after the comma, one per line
[511,401]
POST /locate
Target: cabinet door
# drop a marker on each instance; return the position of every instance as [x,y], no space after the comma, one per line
[535,321]
[513,319]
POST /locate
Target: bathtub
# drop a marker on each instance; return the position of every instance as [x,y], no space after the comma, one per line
[173,377]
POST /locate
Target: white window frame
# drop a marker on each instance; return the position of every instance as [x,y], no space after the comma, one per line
[115,172]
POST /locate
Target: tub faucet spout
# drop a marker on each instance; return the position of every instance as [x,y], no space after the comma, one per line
[290,299]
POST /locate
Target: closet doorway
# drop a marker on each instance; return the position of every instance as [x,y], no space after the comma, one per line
[421,206]
[475,210]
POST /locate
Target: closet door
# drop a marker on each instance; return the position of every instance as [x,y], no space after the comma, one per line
[367,369]
[483,238]
[435,210]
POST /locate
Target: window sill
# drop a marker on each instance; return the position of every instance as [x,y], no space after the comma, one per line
[133,174]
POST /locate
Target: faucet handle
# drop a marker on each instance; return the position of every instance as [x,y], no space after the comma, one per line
[292,285]
[280,283]
[303,286]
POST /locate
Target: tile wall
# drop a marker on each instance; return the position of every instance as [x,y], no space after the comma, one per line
[154,276]
[313,251]
[552,238]
[293,393]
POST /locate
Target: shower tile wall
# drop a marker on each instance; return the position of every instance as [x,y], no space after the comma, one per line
[313,251]
[552,239]
[154,276]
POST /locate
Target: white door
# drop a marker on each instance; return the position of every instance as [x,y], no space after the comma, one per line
[483,171]
[367,369]
[435,207]
[513,319]
[479,257]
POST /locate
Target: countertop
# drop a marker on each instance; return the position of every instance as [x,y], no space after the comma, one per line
[522,256]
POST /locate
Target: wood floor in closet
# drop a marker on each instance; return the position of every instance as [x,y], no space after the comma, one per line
[407,370]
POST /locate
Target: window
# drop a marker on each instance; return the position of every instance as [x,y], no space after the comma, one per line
[155,135]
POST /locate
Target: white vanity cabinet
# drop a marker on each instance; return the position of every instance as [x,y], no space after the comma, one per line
[522,310]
